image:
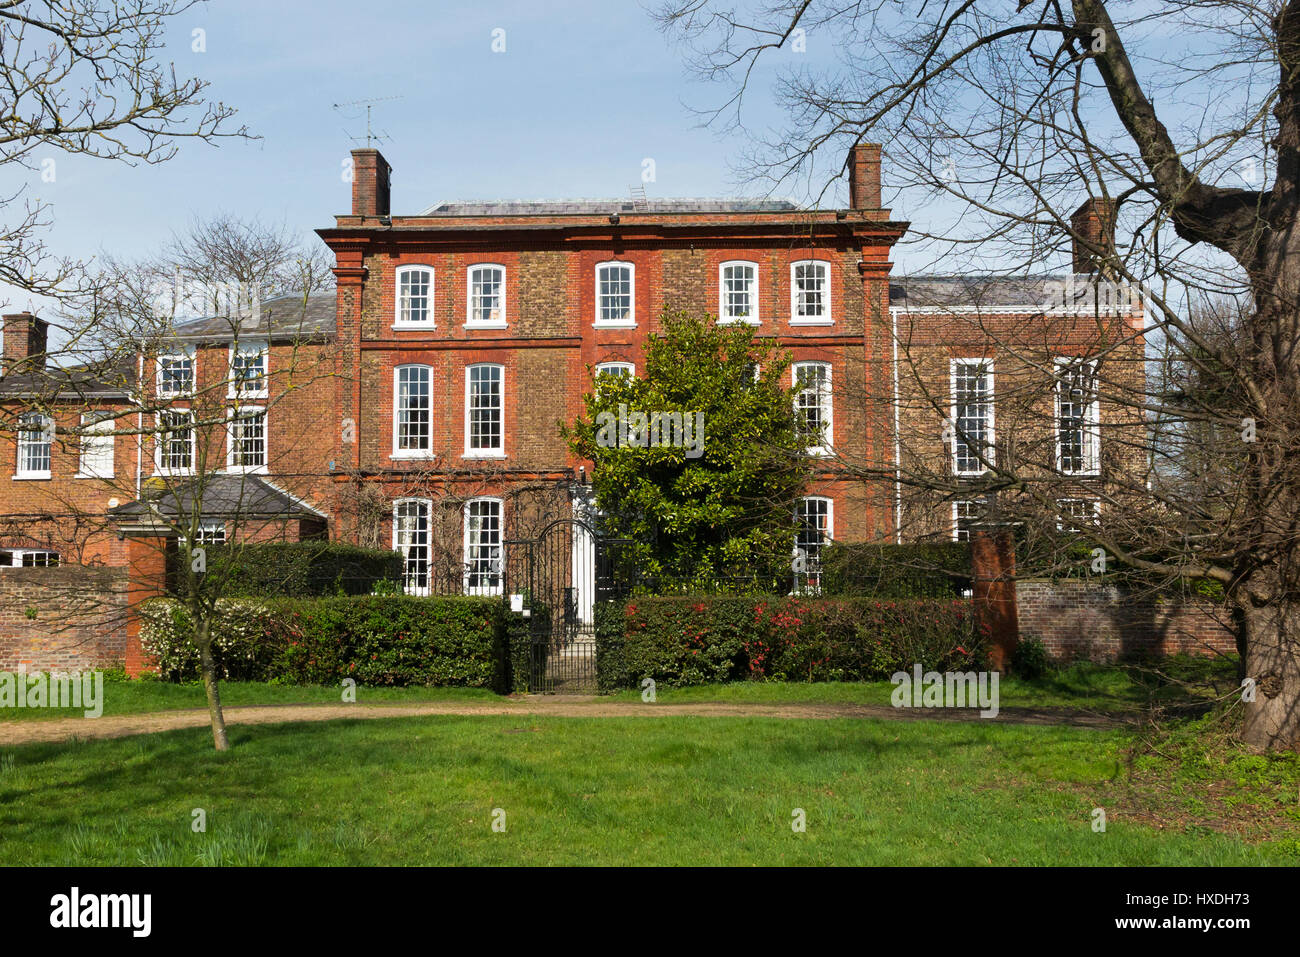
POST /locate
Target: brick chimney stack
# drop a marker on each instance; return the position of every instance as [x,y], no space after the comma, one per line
[25,339]
[1094,234]
[369,183]
[864,176]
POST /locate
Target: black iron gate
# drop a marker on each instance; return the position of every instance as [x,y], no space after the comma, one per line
[557,579]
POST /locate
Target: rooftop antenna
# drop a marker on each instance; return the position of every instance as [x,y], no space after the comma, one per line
[371,135]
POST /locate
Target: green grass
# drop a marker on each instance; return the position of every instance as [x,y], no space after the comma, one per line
[141,696]
[594,791]
[1182,680]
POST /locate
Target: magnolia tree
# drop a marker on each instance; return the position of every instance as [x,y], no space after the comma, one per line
[692,455]
[998,121]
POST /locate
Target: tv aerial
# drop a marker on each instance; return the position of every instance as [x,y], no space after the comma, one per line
[372,135]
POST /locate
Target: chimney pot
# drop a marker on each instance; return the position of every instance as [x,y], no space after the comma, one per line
[1093,239]
[864,176]
[25,343]
[370,183]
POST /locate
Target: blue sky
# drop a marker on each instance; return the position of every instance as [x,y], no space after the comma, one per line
[584,91]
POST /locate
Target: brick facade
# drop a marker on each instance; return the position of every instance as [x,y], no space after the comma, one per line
[62,619]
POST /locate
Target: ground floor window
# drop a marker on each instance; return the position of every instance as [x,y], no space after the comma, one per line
[28,558]
[813,528]
[964,515]
[483,546]
[411,540]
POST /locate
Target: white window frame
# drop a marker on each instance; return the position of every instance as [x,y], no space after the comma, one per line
[398,321]
[15,556]
[185,354]
[990,443]
[1091,430]
[427,545]
[828,316]
[160,439]
[827,403]
[628,322]
[829,533]
[493,589]
[93,427]
[25,442]
[470,321]
[724,317]
[498,452]
[257,349]
[240,412]
[957,504]
[398,451]
[615,367]
[1062,509]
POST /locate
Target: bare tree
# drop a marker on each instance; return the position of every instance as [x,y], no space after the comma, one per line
[83,78]
[1182,120]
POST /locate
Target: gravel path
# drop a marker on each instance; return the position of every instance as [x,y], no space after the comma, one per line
[565,706]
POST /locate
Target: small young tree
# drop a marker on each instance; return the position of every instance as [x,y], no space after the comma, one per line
[692,458]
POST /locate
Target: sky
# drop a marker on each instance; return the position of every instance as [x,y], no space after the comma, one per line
[583,93]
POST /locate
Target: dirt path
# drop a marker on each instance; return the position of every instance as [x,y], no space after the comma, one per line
[567,706]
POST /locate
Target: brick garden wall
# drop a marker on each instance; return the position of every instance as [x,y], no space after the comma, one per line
[1076,619]
[68,618]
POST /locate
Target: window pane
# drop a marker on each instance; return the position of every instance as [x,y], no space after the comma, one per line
[812,402]
[737,291]
[810,290]
[615,293]
[248,440]
[483,546]
[96,446]
[248,371]
[35,436]
[413,294]
[972,410]
[485,294]
[1076,395]
[176,374]
[413,409]
[485,409]
[175,441]
[411,539]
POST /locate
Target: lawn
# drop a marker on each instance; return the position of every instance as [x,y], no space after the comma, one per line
[651,791]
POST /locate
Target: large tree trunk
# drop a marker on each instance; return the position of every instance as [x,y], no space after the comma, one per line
[1272,635]
[203,637]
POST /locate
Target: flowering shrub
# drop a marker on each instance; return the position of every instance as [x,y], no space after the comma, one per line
[375,640]
[682,641]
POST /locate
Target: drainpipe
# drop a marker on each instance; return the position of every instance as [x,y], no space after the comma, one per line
[898,452]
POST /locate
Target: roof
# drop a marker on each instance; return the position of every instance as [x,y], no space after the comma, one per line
[597,207]
[999,293]
[113,378]
[221,494]
[293,316]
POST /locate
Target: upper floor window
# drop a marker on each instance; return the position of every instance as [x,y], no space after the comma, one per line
[248,370]
[812,405]
[411,541]
[487,296]
[484,410]
[176,373]
[738,292]
[615,285]
[972,415]
[247,449]
[810,293]
[623,369]
[483,546]
[175,451]
[1077,439]
[414,299]
[35,439]
[96,453]
[412,411]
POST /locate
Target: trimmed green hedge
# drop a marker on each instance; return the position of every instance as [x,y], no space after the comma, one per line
[880,570]
[375,640]
[685,641]
[302,569]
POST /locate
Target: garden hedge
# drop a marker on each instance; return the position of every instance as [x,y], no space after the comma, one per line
[880,570]
[375,640]
[303,569]
[695,640]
